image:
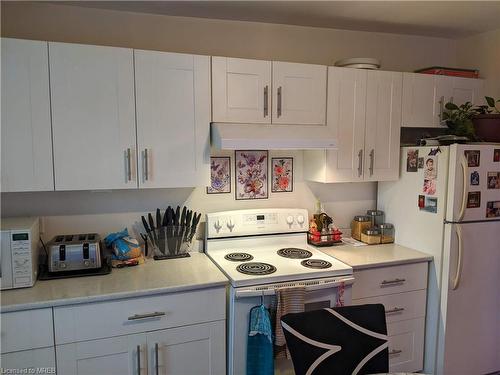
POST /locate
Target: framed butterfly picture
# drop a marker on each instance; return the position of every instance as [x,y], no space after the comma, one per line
[220,175]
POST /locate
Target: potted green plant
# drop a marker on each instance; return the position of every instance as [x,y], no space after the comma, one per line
[487,120]
[458,118]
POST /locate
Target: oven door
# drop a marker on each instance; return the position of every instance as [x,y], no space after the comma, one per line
[6,280]
[241,301]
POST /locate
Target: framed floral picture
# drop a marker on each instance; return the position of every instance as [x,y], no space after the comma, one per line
[220,175]
[282,175]
[251,174]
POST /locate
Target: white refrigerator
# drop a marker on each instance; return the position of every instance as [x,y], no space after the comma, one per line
[450,208]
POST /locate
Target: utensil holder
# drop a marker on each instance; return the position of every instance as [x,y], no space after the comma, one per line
[169,242]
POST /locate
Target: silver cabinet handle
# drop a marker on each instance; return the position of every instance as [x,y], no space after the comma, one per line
[392,282]
[395,310]
[372,157]
[157,364]
[360,163]
[138,360]
[278,110]
[146,166]
[395,351]
[266,101]
[129,166]
[155,314]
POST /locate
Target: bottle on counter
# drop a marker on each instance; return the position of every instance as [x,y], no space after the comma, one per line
[358,224]
[377,217]
[371,236]
[387,233]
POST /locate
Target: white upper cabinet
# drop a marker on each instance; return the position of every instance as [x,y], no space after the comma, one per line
[241,90]
[26,127]
[425,95]
[364,112]
[467,90]
[383,125]
[346,118]
[173,119]
[299,91]
[93,117]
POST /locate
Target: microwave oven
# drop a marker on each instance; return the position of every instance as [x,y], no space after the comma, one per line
[19,252]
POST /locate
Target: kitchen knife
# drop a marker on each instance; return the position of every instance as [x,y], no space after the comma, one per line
[165,217]
[170,233]
[148,230]
[152,226]
[196,220]
[177,215]
[189,216]
[158,218]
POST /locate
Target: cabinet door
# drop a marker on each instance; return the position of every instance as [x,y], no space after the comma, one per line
[424,97]
[173,119]
[30,359]
[241,90]
[467,90]
[195,350]
[93,116]
[383,125]
[26,132]
[346,118]
[299,93]
[123,355]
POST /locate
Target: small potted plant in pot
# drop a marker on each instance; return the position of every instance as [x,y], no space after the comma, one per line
[487,121]
[459,119]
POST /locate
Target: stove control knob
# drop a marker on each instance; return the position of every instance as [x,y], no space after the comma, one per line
[230,225]
[217,226]
[300,220]
[289,220]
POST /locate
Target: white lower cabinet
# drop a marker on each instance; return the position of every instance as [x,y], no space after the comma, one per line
[402,290]
[192,350]
[42,358]
[176,334]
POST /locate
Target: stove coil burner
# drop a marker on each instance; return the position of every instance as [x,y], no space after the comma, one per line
[256,268]
[238,257]
[316,263]
[294,253]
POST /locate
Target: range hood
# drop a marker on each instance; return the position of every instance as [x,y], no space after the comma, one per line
[230,136]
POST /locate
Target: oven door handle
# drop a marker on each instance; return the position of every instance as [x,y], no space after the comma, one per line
[308,284]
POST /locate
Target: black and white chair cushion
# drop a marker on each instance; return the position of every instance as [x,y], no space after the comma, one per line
[338,341]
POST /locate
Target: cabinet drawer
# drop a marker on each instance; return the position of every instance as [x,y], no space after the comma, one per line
[108,319]
[30,359]
[399,306]
[389,280]
[27,329]
[406,345]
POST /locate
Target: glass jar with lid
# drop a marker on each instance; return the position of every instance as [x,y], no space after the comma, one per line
[358,224]
[371,236]
[376,216]
[387,233]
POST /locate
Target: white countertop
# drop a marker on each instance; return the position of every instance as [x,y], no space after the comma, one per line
[370,256]
[152,277]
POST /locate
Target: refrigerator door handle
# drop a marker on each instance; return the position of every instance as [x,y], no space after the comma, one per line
[463,163]
[458,274]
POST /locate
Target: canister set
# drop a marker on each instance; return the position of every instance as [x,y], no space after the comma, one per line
[371,228]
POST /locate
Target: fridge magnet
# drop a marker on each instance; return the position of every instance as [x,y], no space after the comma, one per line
[496,155]
[421,201]
[430,205]
[474,178]
[220,175]
[429,187]
[430,168]
[473,157]
[411,160]
[420,163]
[251,174]
[282,175]
[493,180]
[434,151]
[474,199]
[493,209]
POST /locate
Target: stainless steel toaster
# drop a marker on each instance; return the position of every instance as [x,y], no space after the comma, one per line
[74,252]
